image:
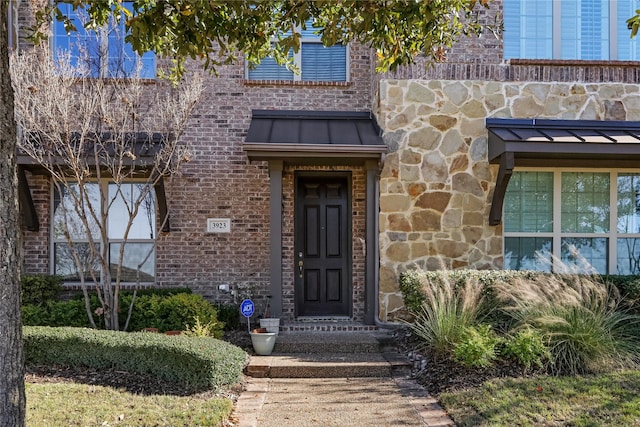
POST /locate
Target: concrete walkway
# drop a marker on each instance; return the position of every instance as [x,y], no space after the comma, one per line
[319,378]
[297,402]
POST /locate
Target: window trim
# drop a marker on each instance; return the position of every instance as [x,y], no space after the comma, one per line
[102,183]
[557,235]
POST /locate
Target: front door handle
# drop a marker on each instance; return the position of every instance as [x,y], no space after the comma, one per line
[300,268]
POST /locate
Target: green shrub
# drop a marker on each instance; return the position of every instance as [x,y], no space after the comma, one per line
[39,289]
[445,312]
[229,314]
[527,347]
[172,312]
[199,329]
[56,313]
[477,348]
[166,311]
[197,363]
[579,318]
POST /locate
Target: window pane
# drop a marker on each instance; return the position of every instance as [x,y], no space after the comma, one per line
[72,212]
[123,61]
[528,202]
[65,264]
[321,63]
[628,259]
[528,29]
[136,255]
[585,202]
[90,48]
[628,48]
[584,255]
[527,253]
[269,69]
[585,29]
[629,203]
[123,200]
[82,46]
[310,30]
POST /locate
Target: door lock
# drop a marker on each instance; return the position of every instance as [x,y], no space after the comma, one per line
[300,268]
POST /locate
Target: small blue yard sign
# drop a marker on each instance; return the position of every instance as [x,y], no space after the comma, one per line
[247,308]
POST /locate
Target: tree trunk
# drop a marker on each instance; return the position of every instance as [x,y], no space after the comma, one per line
[12,395]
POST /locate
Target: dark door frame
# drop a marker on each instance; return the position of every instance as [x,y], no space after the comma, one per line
[347,176]
[276,210]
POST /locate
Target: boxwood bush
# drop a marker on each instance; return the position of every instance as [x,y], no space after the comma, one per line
[198,363]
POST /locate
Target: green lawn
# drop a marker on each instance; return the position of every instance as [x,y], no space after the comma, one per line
[67,404]
[601,400]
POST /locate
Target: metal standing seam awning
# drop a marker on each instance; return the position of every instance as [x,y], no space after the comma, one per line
[308,136]
[146,150]
[558,143]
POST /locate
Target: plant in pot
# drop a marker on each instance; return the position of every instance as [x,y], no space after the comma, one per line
[271,324]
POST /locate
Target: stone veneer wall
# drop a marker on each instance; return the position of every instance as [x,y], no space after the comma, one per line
[436,183]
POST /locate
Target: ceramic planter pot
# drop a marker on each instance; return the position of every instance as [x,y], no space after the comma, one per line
[271,324]
[263,342]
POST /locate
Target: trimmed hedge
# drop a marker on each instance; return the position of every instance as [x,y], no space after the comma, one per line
[411,288]
[197,363]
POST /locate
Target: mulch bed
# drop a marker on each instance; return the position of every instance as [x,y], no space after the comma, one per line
[439,375]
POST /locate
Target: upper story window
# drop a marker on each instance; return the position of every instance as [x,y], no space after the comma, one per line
[569,29]
[588,221]
[315,62]
[71,242]
[103,51]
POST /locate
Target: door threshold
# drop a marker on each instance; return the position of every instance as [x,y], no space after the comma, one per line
[323,319]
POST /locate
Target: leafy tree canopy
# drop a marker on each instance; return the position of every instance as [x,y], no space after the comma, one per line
[215,30]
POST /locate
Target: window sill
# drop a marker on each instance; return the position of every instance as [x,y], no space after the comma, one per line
[294,83]
[572,62]
[75,286]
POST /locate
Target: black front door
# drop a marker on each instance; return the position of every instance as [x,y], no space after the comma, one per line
[322,258]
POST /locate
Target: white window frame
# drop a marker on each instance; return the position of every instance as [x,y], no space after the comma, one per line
[297,58]
[557,235]
[104,184]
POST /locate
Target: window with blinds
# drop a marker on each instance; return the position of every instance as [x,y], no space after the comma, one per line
[569,29]
[315,61]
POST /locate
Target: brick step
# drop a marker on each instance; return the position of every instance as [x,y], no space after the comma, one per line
[332,342]
[327,365]
[325,325]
